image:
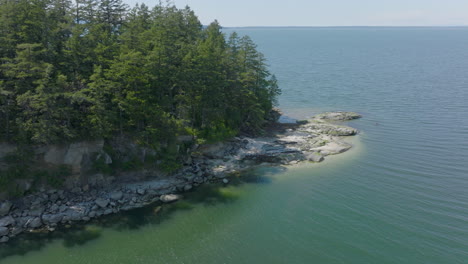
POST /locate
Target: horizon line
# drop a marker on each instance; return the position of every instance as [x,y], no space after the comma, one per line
[434,26]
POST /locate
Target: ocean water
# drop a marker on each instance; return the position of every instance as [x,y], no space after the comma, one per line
[399,196]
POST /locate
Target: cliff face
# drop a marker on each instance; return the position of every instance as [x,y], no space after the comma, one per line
[84,164]
[76,157]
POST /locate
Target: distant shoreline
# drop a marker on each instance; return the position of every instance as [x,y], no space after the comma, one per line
[346,27]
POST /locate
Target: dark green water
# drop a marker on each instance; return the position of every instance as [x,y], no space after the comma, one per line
[399,196]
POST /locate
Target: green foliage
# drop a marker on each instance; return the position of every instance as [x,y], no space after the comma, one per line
[96,69]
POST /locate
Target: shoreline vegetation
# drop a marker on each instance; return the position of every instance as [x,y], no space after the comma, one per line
[284,144]
[131,88]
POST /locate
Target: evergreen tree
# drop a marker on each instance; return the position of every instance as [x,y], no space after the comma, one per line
[94,69]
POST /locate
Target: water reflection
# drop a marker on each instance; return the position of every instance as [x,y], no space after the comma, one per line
[82,233]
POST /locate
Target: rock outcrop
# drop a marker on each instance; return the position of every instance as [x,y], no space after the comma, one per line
[308,141]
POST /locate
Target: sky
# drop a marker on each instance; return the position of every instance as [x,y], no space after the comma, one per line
[242,13]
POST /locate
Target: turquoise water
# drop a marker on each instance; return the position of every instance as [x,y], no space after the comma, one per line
[399,196]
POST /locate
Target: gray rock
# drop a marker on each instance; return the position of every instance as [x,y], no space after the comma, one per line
[314,157]
[3,231]
[75,215]
[334,148]
[63,208]
[52,218]
[225,181]
[108,211]
[16,231]
[214,151]
[140,191]
[105,157]
[37,210]
[103,203]
[54,197]
[187,187]
[34,222]
[6,221]
[168,198]
[54,208]
[4,239]
[116,196]
[198,179]
[5,208]
[338,116]
[92,214]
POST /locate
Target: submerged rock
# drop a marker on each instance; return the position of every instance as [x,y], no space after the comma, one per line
[168,198]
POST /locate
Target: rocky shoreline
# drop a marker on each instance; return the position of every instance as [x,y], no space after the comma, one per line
[285,144]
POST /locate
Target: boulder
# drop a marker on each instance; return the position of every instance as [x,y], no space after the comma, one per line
[37,210]
[6,221]
[116,195]
[4,239]
[333,148]
[52,218]
[168,198]
[103,203]
[3,231]
[34,222]
[314,157]
[108,211]
[338,116]
[5,208]
[16,231]
[54,208]
[187,187]
[214,151]
[225,181]
[74,215]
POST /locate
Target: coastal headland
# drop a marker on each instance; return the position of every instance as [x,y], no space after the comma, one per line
[283,144]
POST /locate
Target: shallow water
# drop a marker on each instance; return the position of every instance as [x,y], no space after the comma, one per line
[399,196]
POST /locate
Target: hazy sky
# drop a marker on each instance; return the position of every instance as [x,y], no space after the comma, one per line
[327,12]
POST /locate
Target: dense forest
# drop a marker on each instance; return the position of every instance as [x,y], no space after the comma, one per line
[96,69]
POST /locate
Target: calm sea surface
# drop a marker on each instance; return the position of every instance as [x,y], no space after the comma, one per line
[399,196]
